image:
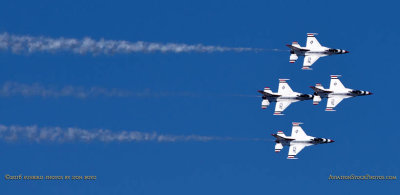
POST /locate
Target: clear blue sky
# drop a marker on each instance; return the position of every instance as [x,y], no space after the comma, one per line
[364,128]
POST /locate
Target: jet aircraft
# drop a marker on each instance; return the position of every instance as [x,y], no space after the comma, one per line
[283,98]
[335,94]
[297,141]
[311,52]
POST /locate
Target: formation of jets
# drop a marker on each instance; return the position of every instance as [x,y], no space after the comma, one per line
[336,92]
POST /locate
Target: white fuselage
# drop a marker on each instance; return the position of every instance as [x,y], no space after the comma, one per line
[307,140]
[346,93]
[294,97]
[322,51]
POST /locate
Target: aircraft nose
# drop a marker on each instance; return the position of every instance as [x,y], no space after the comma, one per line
[345,51]
[331,140]
[369,93]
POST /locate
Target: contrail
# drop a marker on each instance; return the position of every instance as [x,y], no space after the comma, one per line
[36,134]
[31,44]
[10,88]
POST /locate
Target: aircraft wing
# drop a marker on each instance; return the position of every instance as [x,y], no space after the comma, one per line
[297,131]
[333,102]
[295,149]
[281,106]
[309,60]
[284,88]
[336,84]
[312,42]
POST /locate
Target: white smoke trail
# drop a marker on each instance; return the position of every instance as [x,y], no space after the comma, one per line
[10,89]
[31,44]
[29,90]
[36,134]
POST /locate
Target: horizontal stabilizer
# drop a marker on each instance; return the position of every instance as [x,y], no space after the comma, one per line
[267,92]
[293,58]
[317,99]
[281,135]
[264,104]
[295,44]
[320,89]
[278,147]
[297,47]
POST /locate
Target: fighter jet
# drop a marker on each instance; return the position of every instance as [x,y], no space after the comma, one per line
[335,94]
[311,52]
[297,141]
[283,98]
